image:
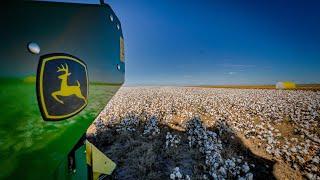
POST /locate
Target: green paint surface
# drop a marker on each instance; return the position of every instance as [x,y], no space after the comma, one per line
[62,172]
[31,147]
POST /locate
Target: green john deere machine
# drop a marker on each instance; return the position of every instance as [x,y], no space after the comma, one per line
[60,65]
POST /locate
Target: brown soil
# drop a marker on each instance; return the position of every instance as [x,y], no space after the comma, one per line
[281,170]
[310,87]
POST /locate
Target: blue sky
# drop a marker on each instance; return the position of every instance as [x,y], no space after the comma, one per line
[175,42]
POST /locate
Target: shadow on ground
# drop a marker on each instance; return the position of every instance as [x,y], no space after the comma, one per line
[141,157]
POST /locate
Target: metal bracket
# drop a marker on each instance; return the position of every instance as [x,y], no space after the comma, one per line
[72,154]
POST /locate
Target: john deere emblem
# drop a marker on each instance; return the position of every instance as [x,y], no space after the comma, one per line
[62,86]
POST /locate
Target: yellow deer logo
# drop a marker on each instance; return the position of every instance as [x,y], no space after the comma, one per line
[65,89]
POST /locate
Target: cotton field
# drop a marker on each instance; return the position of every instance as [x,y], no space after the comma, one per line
[209,133]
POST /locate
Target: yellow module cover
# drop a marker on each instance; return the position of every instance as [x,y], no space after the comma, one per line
[285,85]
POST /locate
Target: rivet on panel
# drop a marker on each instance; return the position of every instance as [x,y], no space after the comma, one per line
[34,48]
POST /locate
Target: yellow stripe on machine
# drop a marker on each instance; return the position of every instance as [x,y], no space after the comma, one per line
[98,161]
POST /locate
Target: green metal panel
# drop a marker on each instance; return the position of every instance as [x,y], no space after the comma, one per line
[31,148]
[81,172]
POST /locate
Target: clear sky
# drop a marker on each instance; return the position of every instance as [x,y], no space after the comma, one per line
[175,42]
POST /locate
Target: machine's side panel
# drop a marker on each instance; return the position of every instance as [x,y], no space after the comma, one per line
[31,147]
